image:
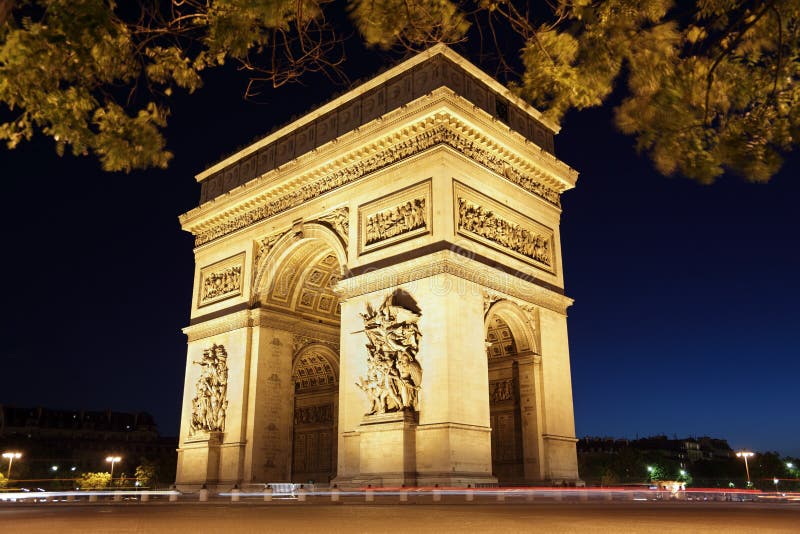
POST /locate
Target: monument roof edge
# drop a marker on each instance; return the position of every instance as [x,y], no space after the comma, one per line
[438,49]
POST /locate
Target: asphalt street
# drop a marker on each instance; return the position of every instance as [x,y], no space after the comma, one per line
[248,517]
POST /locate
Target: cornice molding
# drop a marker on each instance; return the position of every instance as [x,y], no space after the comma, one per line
[320,333]
[554,437]
[219,325]
[488,281]
[298,326]
[544,176]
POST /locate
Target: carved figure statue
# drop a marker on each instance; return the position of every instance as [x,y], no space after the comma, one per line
[393,374]
[339,220]
[210,401]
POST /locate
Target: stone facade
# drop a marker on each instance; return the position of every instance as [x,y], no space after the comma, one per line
[388,297]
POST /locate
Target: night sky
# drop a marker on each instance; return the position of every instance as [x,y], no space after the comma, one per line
[685,319]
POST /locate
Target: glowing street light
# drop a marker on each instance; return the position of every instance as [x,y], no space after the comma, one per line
[113,460]
[11,456]
[790,465]
[746,455]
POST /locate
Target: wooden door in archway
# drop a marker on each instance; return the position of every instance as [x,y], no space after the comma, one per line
[314,434]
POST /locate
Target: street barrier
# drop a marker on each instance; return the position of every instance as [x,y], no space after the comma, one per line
[501,496]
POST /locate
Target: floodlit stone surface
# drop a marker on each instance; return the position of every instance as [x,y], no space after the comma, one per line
[442,215]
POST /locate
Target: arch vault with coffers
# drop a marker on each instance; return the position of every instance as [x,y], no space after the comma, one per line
[379,294]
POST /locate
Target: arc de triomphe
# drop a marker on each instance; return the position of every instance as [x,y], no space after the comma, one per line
[379,294]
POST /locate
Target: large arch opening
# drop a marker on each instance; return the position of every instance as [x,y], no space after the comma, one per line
[508,345]
[299,275]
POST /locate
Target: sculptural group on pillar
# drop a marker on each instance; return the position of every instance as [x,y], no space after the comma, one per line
[210,401]
[394,375]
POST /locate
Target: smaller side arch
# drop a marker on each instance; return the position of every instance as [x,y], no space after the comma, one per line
[313,366]
[519,322]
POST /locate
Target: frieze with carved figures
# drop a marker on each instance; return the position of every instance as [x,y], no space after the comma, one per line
[221,280]
[501,390]
[402,215]
[481,218]
[403,149]
[313,415]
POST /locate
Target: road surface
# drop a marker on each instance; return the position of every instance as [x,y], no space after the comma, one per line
[465,518]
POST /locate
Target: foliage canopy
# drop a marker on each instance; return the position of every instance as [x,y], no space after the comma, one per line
[98,480]
[707,86]
[146,473]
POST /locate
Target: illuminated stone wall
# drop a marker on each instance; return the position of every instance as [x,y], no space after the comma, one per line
[389,248]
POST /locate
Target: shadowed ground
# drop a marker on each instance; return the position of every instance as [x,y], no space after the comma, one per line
[232,518]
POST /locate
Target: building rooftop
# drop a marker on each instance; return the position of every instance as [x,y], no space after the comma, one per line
[414,78]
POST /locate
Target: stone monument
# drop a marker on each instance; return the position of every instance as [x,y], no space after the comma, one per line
[379,294]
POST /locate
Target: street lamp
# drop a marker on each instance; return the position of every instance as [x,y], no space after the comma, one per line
[775,481]
[746,455]
[11,456]
[113,460]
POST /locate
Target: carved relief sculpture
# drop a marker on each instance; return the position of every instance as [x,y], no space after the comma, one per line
[339,220]
[313,415]
[265,245]
[221,280]
[394,375]
[501,390]
[487,224]
[379,160]
[396,221]
[210,401]
[398,216]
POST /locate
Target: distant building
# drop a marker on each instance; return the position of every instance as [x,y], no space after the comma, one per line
[601,445]
[685,450]
[77,441]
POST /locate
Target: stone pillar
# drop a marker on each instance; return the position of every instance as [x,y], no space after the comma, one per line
[269,448]
[558,435]
[531,414]
[216,458]
[453,436]
[352,402]
[198,460]
[452,440]
[388,449]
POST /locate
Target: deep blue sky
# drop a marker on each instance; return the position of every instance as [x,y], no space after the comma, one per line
[685,319]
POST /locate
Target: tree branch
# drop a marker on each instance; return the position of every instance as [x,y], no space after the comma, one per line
[6,6]
[727,51]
